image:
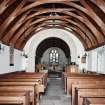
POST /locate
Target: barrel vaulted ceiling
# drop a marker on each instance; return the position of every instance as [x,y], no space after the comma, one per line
[21,19]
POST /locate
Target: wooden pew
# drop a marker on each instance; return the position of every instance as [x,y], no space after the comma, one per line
[9,97]
[24,81]
[74,82]
[75,87]
[94,101]
[38,82]
[41,77]
[21,86]
[87,93]
[14,72]
[75,78]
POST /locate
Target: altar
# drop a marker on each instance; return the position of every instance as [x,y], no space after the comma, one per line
[55,71]
[55,68]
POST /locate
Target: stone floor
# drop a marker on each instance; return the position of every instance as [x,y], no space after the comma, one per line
[54,94]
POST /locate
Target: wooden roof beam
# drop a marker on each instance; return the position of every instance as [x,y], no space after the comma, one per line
[100,4]
[80,8]
[12,31]
[11,18]
[23,29]
[5,4]
[22,20]
[95,31]
[61,27]
[51,0]
[37,27]
[92,14]
[44,11]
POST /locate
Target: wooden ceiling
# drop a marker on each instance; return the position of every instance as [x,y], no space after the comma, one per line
[21,19]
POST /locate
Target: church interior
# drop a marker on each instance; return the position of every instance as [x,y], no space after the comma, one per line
[52,52]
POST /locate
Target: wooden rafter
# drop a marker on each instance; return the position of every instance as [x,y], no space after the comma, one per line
[78,16]
[11,18]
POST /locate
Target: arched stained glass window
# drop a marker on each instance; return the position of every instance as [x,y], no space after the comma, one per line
[54,56]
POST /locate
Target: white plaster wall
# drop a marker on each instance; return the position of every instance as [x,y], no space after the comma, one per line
[5,61]
[92,60]
[103,63]
[89,61]
[96,60]
[74,44]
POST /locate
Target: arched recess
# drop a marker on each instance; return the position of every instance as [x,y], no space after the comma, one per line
[49,43]
[75,46]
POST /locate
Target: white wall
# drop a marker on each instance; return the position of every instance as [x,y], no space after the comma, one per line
[96,60]
[74,44]
[5,60]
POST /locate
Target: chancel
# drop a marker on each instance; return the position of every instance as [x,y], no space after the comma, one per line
[52,52]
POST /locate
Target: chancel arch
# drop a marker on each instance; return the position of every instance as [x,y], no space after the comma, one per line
[75,46]
[52,51]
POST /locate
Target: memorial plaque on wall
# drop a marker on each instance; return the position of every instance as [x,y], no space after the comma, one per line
[11,55]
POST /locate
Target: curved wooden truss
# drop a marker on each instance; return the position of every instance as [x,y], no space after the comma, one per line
[21,19]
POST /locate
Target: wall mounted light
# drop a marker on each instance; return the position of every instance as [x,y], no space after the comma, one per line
[78,57]
[24,54]
[83,58]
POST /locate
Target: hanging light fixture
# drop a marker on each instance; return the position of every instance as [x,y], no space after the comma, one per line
[53,13]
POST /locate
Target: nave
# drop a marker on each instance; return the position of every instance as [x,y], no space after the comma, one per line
[54,95]
[62,37]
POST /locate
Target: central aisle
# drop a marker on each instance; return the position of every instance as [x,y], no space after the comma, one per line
[55,94]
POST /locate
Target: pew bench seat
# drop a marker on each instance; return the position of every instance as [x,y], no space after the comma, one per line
[87,93]
[10,97]
[75,88]
[21,86]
